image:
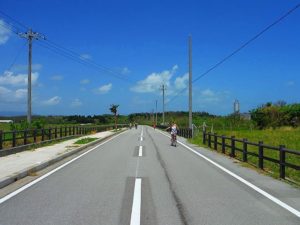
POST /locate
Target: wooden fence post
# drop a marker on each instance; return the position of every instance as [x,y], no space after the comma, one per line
[50,133]
[55,132]
[215,141]
[60,132]
[209,139]
[1,139]
[282,161]
[204,138]
[34,135]
[43,134]
[232,154]
[245,159]
[223,144]
[14,138]
[260,155]
[25,136]
[65,131]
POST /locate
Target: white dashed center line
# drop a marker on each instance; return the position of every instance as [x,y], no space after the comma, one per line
[136,204]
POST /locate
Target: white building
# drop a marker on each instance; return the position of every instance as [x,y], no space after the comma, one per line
[6,121]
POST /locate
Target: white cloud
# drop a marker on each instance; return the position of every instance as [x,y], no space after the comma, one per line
[104,89]
[8,95]
[5,32]
[208,96]
[290,83]
[152,82]
[8,78]
[125,71]
[52,101]
[24,67]
[181,82]
[76,103]
[85,56]
[21,93]
[57,77]
[85,81]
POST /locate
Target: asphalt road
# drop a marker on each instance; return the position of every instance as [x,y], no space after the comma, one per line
[120,182]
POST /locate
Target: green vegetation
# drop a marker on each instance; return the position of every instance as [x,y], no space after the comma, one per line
[114,109]
[276,115]
[287,136]
[85,141]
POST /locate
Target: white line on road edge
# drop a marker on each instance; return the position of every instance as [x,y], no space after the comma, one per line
[136,204]
[141,151]
[7,197]
[264,193]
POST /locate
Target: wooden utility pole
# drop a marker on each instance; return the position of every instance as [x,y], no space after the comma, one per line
[190,85]
[29,35]
[163,88]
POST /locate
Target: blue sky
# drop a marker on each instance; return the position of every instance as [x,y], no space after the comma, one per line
[145,43]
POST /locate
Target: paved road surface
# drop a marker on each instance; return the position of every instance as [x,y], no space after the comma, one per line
[165,185]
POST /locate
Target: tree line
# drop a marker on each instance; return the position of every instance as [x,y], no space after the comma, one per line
[276,115]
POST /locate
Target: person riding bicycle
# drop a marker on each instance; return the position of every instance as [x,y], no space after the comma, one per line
[173,128]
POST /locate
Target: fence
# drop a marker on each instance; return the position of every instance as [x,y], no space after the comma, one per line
[221,140]
[19,138]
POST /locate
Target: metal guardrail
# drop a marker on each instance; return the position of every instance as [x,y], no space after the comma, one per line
[213,140]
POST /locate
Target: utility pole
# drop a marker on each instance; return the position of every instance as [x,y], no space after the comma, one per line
[29,35]
[163,88]
[155,112]
[190,84]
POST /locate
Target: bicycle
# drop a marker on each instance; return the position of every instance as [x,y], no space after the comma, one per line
[174,140]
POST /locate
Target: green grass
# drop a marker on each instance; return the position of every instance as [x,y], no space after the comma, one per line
[5,126]
[274,137]
[85,141]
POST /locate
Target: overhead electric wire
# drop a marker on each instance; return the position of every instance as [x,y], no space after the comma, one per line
[240,48]
[88,61]
[78,59]
[70,54]
[14,20]
[9,27]
[16,57]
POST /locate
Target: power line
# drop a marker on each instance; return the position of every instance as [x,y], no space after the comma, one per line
[240,48]
[78,59]
[70,54]
[88,62]
[16,57]
[14,20]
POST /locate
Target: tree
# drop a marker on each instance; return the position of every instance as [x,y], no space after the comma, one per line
[114,109]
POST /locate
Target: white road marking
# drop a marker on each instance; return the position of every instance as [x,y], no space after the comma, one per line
[12,194]
[141,151]
[142,133]
[136,204]
[257,189]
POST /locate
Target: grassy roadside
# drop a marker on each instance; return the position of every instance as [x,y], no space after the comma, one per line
[85,141]
[283,136]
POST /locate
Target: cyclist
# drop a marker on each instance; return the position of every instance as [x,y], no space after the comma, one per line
[174,128]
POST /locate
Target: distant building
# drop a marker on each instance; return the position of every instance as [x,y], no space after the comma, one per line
[6,121]
[236,107]
[245,116]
